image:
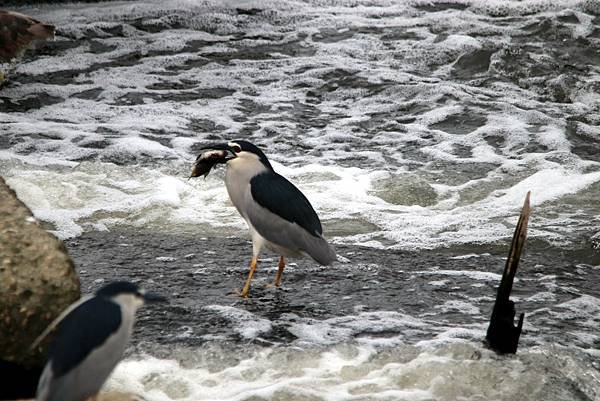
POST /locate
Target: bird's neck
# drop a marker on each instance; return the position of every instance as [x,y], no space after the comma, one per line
[244,168]
[237,179]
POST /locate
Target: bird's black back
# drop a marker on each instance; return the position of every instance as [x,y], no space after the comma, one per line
[81,331]
[281,197]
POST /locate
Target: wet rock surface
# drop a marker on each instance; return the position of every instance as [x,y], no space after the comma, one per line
[37,280]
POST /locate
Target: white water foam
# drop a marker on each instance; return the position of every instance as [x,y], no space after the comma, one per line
[246,324]
[339,329]
[377,192]
[457,370]
[345,358]
[100,196]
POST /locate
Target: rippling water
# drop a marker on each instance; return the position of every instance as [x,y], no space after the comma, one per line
[411,126]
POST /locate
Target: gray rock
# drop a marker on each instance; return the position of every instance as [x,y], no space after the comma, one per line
[37,281]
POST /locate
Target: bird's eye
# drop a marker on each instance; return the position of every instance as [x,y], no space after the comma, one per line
[235,147]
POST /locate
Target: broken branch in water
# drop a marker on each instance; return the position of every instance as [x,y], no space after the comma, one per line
[502,336]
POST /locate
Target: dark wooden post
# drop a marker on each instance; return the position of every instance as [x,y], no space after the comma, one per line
[502,335]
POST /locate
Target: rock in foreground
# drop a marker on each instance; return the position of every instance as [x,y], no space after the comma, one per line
[37,282]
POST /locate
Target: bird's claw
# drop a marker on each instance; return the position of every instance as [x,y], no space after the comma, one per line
[239,293]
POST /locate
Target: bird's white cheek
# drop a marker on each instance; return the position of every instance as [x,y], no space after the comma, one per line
[129,302]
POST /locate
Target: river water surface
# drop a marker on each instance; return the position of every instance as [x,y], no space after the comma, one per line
[415,128]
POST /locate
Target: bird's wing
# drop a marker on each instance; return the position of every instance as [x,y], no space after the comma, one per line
[56,321]
[283,215]
[281,197]
[17,31]
[84,329]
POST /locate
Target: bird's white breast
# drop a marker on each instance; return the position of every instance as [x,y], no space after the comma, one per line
[117,342]
[237,178]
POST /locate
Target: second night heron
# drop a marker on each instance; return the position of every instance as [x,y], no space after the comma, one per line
[92,336]
[278,215]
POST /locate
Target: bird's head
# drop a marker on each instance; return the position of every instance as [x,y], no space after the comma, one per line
[220,153]
[129,293]
[246,150]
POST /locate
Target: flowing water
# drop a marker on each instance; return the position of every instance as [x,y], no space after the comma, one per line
[415,128]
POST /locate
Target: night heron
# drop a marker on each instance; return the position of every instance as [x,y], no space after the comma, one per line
[278,215]
[17,33]
[92,336]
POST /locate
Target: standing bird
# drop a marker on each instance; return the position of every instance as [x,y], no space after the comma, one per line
[92,336]
[17,33]
[278,215]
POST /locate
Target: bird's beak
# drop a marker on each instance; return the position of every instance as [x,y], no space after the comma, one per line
[212,155]
[222,146]
[154,297]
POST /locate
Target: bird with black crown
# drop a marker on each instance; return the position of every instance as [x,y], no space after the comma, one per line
[278,215]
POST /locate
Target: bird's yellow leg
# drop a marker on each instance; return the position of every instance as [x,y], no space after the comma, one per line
[2,77]
[279,272]
[246,290]
[277,281]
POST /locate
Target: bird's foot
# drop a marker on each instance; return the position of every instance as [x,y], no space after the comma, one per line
[272,285]
[240,293]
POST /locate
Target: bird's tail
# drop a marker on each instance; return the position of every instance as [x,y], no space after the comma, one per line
[320,250]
